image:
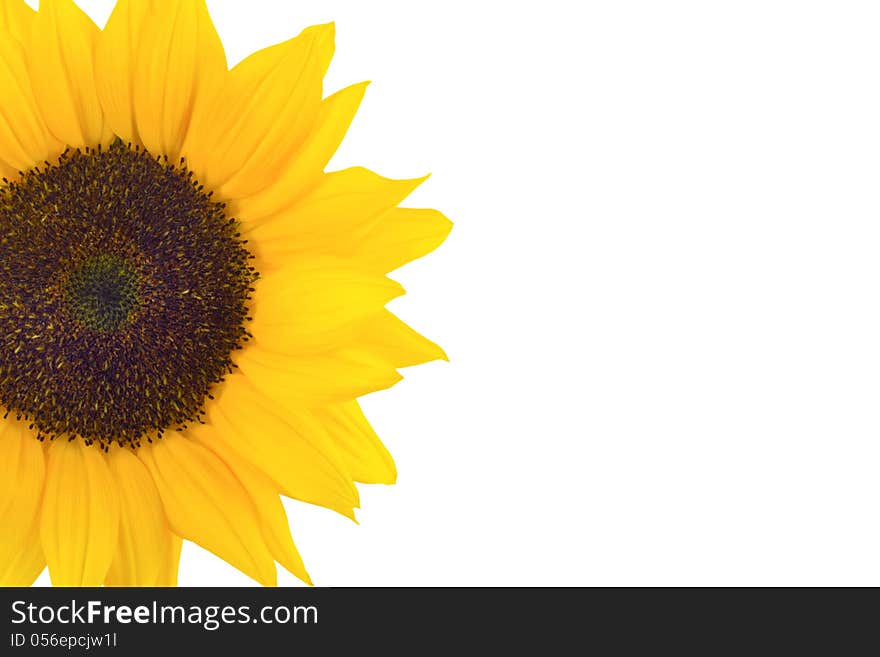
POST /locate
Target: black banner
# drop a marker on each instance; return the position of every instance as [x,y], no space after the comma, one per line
[416,620]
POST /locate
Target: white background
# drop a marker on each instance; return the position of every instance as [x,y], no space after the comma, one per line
[660,298]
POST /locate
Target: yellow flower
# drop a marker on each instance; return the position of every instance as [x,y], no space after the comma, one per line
[189,306]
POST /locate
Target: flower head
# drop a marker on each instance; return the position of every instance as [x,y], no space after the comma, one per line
[189,305]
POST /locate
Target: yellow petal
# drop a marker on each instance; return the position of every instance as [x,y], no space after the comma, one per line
[61,61]
[285,443]
[264,494]
[24,140]
[365,456]
[205,503]
[22,472]
[317,379]
[263,113]
[144,537]
[7,171]
[168,574]
[305,170]
[27,563]
[401,235]
[389,337]
[16,18]
[79,526]
[316,303]
[115,56]
[180,65]
[332,218]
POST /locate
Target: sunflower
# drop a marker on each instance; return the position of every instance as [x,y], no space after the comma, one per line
[190,307]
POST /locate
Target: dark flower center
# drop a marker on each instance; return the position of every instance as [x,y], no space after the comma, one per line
[123,294]
[102,293]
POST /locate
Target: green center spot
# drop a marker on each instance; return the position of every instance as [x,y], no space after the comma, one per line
[102,293]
